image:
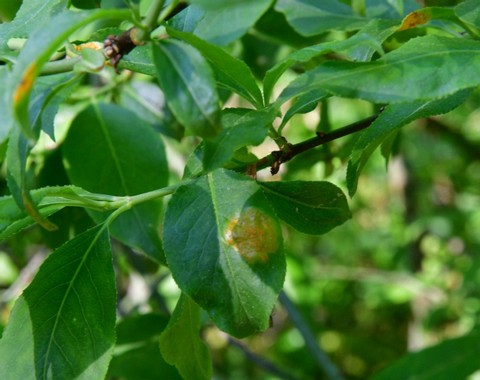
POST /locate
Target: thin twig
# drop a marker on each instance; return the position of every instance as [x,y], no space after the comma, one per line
[321,358]
[276,158]
[261,362]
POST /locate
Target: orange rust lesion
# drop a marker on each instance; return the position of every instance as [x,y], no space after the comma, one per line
[25,84]
[254,235]
[414,19]
[89,45]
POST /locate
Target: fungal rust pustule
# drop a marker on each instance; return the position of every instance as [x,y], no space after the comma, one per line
[254,235]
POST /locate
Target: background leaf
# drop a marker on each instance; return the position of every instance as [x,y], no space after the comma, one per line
[309,207]
[63,326]
[181,345]
[222,25]
[310,17]
[452,359]
[189,87]
[110,150]
[226,251]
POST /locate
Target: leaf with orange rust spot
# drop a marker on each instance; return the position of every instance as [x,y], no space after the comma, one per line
[424,15]
[223,244]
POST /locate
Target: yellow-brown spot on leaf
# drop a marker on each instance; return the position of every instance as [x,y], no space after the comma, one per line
[254,235]
[414,19]
[89,45]
[25,85]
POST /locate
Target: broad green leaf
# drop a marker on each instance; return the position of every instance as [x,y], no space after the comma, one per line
[231,73]
[392,9]
[137,354]
[403,75]
[360,47]
[310,17]
[43,42]
[469,12]
[31,14]
[242,127]
[392,118]
[424,15]
[224,248]
[110,150]
[63,326]
[310,207]
[215,4]
[221,25]
[451,359]
[180,342]
[189,87]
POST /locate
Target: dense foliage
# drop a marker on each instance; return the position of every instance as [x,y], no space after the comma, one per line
[135,143]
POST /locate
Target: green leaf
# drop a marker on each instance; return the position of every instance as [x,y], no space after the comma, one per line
[469,12]
[189,87]
[451,359]
[310,17]
[221,25]
[224,248]
[360,47]
[395,9]
[63,326]
[48,200]
[309,207]
[180,342]
[390,120]
[31,14]
[242,127]
[403,75]
[6,121]
[231,73]
[110,150]
[40,47]
[303,104]
[139,60]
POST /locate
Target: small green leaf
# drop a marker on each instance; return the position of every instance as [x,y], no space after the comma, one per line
[110,150]
[303,104]
[63,326]
[231,73]
[221,25]
[310,17]
[180,342]
[38,50]
[189,87]
[403,75]
[451,359]
[242,127]
[92,61]
[224,248]
[310,207]
[139,60]
[393,117]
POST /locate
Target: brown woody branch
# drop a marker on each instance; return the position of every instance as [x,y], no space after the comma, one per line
[277,158]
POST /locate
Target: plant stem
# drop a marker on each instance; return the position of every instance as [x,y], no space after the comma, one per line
[321,358]
[276,158]
[61,66]
[150,21]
